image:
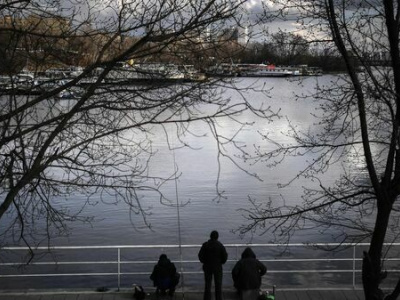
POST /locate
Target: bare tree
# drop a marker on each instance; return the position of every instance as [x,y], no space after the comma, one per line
[289,47]
[99,142]
[359,132]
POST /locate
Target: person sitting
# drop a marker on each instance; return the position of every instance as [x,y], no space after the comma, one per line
[246,275]
[164,276]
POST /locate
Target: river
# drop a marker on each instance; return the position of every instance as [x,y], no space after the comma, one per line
[195,188]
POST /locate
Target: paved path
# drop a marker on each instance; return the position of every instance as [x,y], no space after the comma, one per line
[280,295]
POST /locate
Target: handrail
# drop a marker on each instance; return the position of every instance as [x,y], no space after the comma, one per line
[194,246]
[118,261]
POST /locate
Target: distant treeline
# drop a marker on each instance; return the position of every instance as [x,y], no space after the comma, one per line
[291,49]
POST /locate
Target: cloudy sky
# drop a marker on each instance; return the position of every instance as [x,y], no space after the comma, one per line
[254,11]
[260,14]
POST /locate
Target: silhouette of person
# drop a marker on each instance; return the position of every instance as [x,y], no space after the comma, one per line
[164,276]
[246,275]
[213,255]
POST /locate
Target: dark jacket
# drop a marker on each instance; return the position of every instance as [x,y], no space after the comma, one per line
[213,253]
[164,273]
[247,272]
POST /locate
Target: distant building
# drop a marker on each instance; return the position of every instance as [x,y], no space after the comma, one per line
[244,35]
[230,34]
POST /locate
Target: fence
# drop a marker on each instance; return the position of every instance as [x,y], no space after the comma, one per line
[289,265]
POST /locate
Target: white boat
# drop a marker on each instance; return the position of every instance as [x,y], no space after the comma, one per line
[24,81]
[6,82]
[191,73]
[262,70]
[223,70]
[147,71]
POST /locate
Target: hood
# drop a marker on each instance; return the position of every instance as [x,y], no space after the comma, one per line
[163,260]
[248,253]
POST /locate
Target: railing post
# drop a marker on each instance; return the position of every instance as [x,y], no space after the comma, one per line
[354,266]
[119,268]
[237,252]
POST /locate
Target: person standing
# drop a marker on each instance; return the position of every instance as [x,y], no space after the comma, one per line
[246,275]
[213,255]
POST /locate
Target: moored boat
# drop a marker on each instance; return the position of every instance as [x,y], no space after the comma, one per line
[262,70]
[145,72]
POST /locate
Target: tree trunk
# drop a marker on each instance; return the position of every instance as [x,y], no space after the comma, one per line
[372,274]
[395,294]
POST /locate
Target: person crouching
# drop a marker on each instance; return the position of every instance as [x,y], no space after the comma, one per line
[164,276]
[246,275]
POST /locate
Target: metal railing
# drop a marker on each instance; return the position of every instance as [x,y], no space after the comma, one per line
[297,263]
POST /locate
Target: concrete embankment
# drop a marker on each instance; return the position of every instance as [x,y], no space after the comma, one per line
[228,295]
